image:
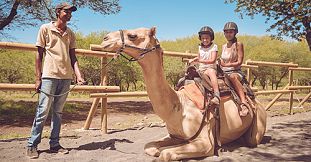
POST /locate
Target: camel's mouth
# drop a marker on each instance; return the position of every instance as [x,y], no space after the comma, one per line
[108,47]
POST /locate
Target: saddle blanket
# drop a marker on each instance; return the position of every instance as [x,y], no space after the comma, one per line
[194,94]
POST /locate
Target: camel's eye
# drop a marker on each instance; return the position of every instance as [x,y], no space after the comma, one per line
[132,37]
[106,38]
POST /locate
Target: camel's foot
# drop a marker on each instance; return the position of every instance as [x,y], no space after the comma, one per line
[167,155]
[154,148]
[152,151]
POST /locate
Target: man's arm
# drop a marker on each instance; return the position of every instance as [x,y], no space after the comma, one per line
[38,64]
[75,66]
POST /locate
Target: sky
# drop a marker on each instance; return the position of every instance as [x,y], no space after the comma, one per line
[174,19]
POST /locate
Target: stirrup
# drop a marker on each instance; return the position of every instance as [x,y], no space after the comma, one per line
[244,111]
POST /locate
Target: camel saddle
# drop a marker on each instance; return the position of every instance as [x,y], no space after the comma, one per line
[203,82]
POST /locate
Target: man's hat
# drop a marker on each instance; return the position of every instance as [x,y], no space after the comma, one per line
[66,6]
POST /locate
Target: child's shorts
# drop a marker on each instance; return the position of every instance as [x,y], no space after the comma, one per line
[238,72]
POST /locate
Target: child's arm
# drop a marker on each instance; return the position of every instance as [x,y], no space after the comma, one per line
[239,62]
[193,60]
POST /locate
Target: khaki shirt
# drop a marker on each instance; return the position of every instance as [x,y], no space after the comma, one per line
[57,63]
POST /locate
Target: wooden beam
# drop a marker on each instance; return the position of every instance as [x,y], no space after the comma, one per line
[264,63]
[275,98]
[249,66]
[91,114]
[31,47]
[96,47]
[299,68]
[298,87]
[30,87]
[291,95]
[304,100]
[273,92]
[119,94]
[104,105]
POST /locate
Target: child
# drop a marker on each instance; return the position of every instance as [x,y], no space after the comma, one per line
[231,60]
[207,59]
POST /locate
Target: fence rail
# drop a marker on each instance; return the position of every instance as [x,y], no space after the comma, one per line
[31,87]
[31,47]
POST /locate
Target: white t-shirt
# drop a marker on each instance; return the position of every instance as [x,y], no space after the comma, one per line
[206,53]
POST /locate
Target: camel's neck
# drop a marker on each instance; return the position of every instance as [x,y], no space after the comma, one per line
[163,98]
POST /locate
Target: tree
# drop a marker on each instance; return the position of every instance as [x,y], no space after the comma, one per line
[292,17]
[16,66]
[23,13]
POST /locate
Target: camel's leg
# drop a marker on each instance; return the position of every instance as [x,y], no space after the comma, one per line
[198,148]
[152,148]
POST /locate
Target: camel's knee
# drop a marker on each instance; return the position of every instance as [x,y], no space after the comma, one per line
[206,148]
[152,149]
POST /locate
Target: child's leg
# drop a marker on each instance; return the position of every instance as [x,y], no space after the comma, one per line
[211,73]
[234,78]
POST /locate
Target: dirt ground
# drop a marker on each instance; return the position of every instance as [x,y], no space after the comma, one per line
[132,124]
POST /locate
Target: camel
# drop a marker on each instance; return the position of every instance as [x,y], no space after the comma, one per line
[190,133]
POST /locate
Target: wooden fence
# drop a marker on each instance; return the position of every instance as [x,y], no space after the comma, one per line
[113,91]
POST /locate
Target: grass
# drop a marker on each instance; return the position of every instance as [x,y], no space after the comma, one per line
[28,95]
[20,109]
[7,136]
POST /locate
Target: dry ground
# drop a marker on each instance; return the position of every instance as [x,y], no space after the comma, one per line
[132,124]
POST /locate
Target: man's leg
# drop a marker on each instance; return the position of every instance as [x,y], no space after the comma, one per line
[57,110]
[42,112]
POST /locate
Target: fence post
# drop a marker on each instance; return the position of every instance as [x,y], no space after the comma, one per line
[291,94]
[248,75]
[104,105]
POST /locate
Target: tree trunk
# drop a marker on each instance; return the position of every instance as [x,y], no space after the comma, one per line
[279,81]
[11,16]
[254,79]
[306,24]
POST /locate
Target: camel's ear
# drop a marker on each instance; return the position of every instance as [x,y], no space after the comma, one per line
[153,31]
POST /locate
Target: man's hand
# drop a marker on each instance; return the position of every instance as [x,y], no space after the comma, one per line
[81,81]
[38,85]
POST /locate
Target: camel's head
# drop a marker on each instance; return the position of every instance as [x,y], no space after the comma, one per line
[132,42]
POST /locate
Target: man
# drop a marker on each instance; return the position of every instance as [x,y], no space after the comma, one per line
[56,42]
